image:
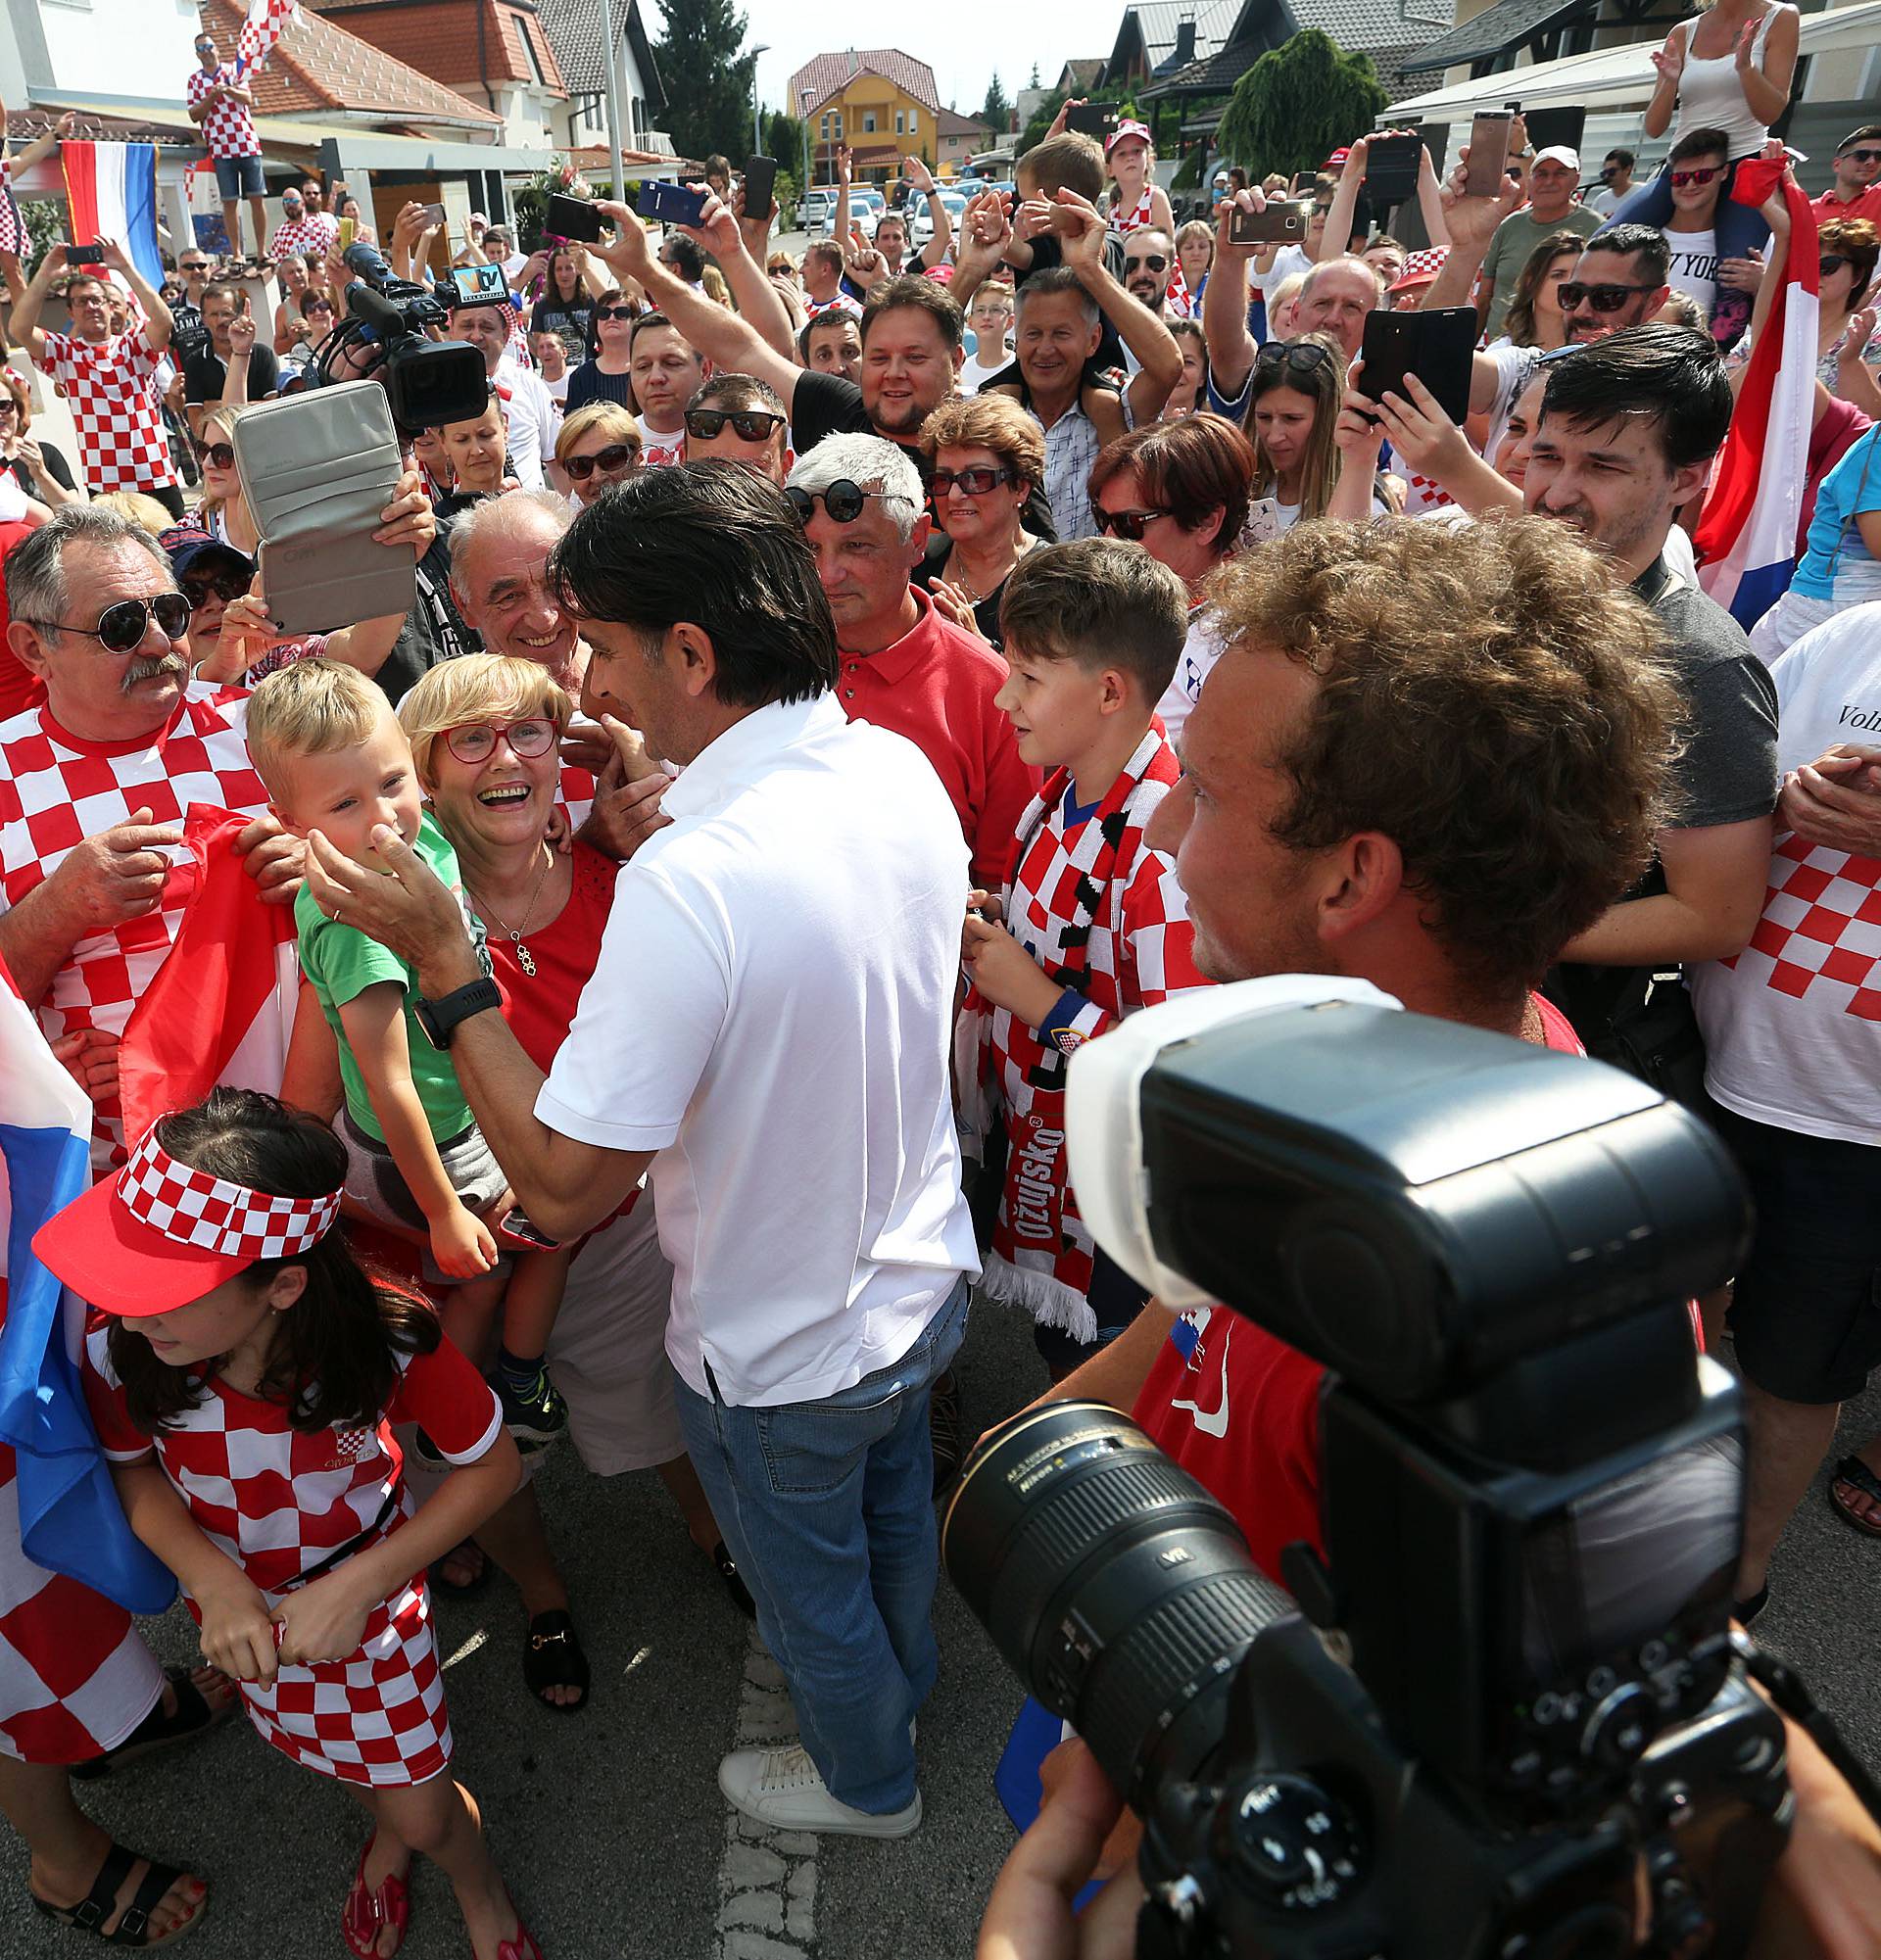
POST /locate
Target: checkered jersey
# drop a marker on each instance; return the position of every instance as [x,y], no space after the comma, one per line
[116,407]
[227,129]
[56,790]
[278,1500]
[312,231]
[1104,916]
[75,1678]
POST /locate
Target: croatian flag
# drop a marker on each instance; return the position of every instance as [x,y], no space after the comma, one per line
[268,21]
[70,1518]
[112,191]
[1746,537]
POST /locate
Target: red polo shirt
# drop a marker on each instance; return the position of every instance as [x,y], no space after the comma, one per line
[1868,204]
[935,685]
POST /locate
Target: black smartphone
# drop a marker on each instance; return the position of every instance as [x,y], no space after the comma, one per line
[1278,224]
[668,203]
[572,217]
[85,255]
[479,282]
[760,185]
[1488,153]
[1391,168]
[1437,348]
[1091,119]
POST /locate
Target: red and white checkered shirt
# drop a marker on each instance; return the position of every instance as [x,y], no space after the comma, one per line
[1106,918]
[227,129]
[312,231]
[277,1500]
[56,789]
[111,389]
[76,1677]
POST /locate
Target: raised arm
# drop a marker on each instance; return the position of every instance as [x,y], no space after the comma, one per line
[718,232]
[1431,200]
[922,178]
[986,232]
[1231,346]
[1139,329]
[1669,61]
[1337,234]
[1854,378]
[28,308]
[158,323]
[1768,88]
[839,217]
[725,339]
[1471,223]
[41,147]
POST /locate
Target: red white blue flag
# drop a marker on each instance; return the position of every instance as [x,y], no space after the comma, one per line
[1746,537]
[111,189]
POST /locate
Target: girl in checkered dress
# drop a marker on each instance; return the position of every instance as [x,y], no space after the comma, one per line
[244,1378]
[14,242]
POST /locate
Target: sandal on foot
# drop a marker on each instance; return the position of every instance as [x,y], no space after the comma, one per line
[133,1923]
[1743,1611]
[366,1914]
[552,1657]
[1853,1471]
[193,1716]
[471,1587]
[524,1945]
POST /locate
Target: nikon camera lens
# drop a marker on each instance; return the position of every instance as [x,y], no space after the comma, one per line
[1116,1589]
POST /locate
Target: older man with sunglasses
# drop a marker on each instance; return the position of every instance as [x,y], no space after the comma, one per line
[95,780]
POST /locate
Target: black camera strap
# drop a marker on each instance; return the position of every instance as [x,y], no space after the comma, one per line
[1792,1698]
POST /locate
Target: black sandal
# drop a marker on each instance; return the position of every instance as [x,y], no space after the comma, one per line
[554,1658]
[133,1925]
[1853,1471]
[193,1716]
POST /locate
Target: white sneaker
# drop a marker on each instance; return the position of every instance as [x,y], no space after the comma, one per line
[784,1788]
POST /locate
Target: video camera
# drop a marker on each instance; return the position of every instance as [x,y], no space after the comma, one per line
[384,337]
[1509,1717]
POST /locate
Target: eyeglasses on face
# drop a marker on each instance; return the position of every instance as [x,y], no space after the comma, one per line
[8,405]
[843,500]
[1278,355]
[614,313]
[1830,262]
[205,586]
[1863,156]
[1154,262]
[1702,176]
[754,425]
[476,741]
[1601,299]
[122,627]
[975,482]
[1129,525]
[617,455]
[218,456]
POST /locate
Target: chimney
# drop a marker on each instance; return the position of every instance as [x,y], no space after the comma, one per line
[1184,42]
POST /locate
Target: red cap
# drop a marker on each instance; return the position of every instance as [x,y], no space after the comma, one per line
[1337,158]
[161,1233]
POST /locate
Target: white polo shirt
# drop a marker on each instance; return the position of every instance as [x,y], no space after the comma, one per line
[772,1012]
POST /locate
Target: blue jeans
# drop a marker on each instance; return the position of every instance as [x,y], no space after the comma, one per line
[828,1508]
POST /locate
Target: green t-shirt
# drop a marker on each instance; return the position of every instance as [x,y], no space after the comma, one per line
[341,963]
[1516,237]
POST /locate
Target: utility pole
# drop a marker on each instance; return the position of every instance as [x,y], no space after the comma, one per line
[610,53]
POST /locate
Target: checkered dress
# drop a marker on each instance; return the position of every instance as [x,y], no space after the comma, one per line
[227,129]
[312,231]
[116,407]
[1123,222]
[277,1500]
[13,225]
[56,790]
[1106,918]
[75,1676]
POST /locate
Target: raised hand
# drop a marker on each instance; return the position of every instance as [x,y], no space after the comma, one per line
[917,173]
[1226,247]
[241,336]
[631,255]
[1080,224]
[717,229]
[1669,60]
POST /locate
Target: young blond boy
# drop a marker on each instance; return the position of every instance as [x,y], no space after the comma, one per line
[1093,923]
[327,746]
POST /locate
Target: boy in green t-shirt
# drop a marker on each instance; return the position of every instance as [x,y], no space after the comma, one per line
[324,741]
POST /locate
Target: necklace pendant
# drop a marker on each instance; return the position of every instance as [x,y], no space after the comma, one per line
[524,961]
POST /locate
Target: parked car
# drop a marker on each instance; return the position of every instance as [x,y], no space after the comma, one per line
[922,229]
[866,206]
[813,208]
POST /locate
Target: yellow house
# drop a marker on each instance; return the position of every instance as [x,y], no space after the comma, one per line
[882,103]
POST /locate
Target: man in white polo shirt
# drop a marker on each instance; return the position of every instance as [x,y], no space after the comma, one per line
[757,1040]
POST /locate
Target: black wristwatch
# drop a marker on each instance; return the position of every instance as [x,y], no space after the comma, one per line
[439,1018]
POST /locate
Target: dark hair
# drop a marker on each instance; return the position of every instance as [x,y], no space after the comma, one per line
[824,250]
[714,544]
[1100,602]
[1190,466]
[334,1360]
[915,293]
[688,261]
[1702,142]
[1488,700]
[717,167]
[1869,132]
[829,316]
[1644,242]
[644,323]
[736,391]
[1670,376]
[1857,240]
[223,289]
[1623,157]
[1068,161]
[1518,321]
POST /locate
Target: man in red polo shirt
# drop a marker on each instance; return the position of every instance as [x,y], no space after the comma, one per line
[903,666]
[1857,189]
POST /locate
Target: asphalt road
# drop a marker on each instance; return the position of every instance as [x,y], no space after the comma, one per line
[609,1826]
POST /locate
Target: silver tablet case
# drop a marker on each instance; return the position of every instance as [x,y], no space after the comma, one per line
[317,469]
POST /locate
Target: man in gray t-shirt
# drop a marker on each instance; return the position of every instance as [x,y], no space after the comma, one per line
[1553,186]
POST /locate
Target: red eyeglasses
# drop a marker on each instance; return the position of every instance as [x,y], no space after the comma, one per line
[1702,176]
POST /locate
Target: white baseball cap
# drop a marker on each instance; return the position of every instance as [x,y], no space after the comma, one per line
[1559,153]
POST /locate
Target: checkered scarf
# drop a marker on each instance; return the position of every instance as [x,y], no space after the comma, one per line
[1122,221]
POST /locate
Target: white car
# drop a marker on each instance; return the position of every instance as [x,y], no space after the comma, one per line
[923,229]
[866,206]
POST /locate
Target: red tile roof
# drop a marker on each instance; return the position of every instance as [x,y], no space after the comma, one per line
[440,38]
[825,75]
[318,66]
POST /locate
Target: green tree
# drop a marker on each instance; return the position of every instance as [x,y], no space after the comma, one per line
[1297,104]
[784,138]
[709,96]
[997,106]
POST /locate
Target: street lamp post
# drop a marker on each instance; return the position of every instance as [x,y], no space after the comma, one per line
[803,102]
[757,123]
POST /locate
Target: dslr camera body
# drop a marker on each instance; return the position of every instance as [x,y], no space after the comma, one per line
[428,382]
[1507,1718]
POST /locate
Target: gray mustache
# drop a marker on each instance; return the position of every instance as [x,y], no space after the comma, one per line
[147,669]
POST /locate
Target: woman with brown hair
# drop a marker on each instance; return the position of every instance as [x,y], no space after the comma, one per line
[1534,317]
[1293,405]
[987,454]
[38,467]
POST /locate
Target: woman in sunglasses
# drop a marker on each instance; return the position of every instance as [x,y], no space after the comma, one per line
[608,376]
[987,453]
[38,467]
[1292,411]
[1848,250]
[598,445]
[223,513]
